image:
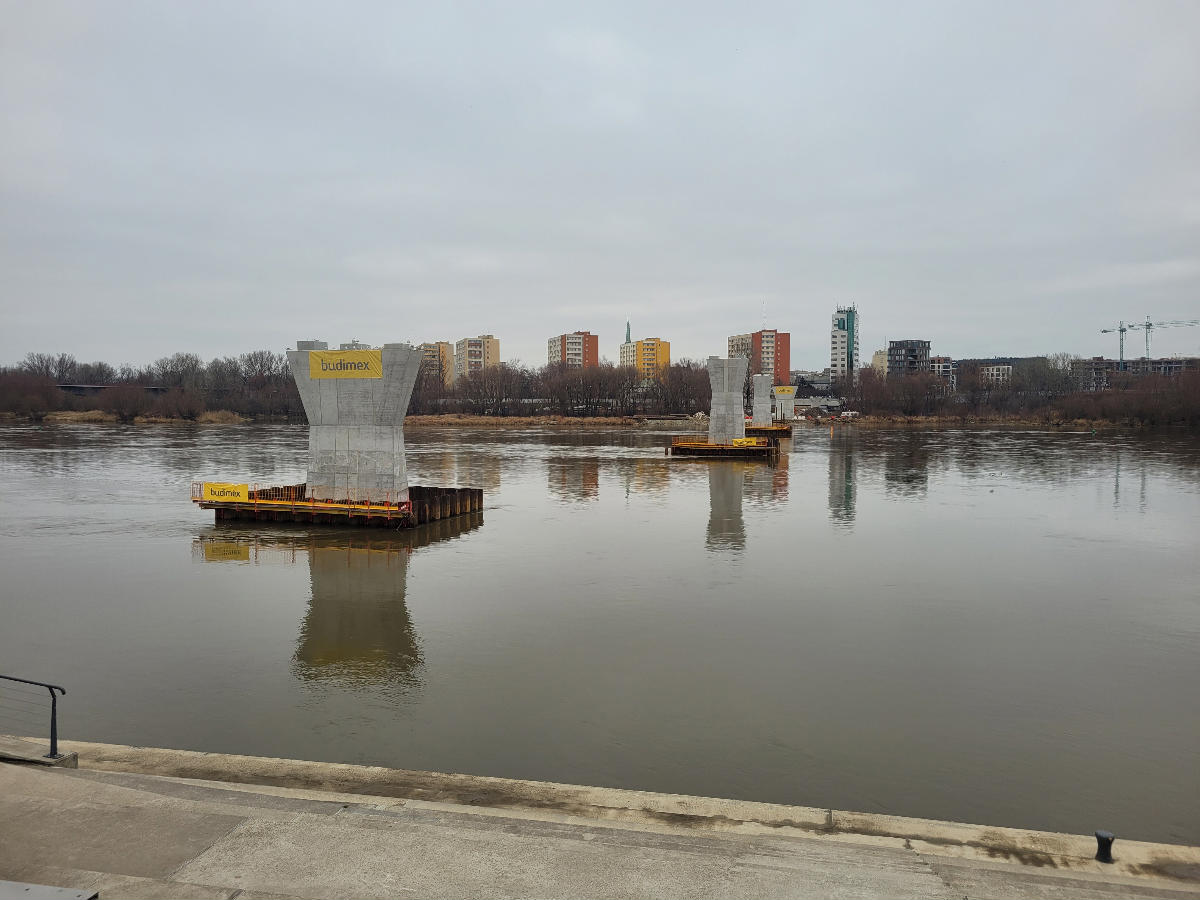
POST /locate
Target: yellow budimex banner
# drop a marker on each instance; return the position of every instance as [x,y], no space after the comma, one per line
[345,364]
[222,551]
[786,390]
[216,490]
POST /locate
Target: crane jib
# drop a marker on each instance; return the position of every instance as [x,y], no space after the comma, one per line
[1147,327]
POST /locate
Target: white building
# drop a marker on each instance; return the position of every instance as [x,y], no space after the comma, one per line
[628,354]
[1000,374]
[946,369]
[843,343]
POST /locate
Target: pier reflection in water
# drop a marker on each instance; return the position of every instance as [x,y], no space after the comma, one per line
[729,483]
[357,631]
[726,484]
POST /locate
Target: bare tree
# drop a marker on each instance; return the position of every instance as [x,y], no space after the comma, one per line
[95,373]
[58,366]
[183,370]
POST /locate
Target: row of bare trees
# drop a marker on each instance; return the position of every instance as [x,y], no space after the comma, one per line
[1040,389]
[256,384]
[604,390]
[260,385]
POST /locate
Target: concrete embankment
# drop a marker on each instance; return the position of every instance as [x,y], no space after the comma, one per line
[133,822]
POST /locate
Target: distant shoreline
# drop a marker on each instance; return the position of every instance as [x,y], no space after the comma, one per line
[631,423]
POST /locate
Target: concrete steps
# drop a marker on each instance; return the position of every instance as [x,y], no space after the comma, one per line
[132,834]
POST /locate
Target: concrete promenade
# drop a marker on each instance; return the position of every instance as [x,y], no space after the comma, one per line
[138,822]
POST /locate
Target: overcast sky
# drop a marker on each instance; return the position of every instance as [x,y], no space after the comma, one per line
[999,178]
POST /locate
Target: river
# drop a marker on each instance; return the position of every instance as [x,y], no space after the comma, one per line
[988,626]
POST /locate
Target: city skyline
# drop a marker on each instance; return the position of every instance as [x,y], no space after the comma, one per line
[999,179]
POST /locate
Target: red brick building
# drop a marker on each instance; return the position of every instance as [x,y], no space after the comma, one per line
[771,353]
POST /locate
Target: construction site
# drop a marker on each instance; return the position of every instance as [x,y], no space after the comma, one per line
[729,436]
[355,399]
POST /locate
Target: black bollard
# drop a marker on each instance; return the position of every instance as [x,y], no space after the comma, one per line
[1104,842]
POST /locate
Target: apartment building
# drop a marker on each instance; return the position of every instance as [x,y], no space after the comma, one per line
[648,355]
[996,374]
[739,345]
[439,357]
[578,349]
[475,354]
[769,352]
[1097,373]
[946,369]
[907,358]
[843,343]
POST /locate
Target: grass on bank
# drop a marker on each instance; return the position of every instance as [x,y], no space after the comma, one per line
[101,417]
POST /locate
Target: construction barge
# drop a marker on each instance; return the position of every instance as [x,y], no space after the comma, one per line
[246,503]
[741,448]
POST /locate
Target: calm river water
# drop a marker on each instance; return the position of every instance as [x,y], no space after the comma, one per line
[989,626]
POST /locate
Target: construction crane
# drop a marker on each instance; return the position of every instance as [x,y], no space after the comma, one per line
[1120,329]
[1150,326]
[1147,327]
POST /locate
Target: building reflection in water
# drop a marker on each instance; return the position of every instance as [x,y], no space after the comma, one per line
[906,464]
[453,467]
[1117,482]
[647,476]
[767,483]
[842,489]
[357,630]
[439,467]
[726,484]
[573,479]
[478,470]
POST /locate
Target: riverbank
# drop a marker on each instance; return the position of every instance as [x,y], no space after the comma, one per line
[100,417]
[135,822]
[566,422]
[649,423]
[948,422]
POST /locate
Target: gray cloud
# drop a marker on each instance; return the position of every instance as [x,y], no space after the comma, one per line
[997,178]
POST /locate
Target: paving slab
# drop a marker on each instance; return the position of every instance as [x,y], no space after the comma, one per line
[131,834]
[146,841]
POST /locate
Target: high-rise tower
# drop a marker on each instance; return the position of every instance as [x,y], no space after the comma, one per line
[843,344]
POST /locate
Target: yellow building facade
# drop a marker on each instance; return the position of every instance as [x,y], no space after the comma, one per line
[648,356]
[439,357]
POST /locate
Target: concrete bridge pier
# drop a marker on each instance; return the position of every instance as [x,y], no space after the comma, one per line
[761,409]
[356,400]
[726,418]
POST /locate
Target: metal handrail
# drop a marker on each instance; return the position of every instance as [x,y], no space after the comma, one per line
[53,754]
